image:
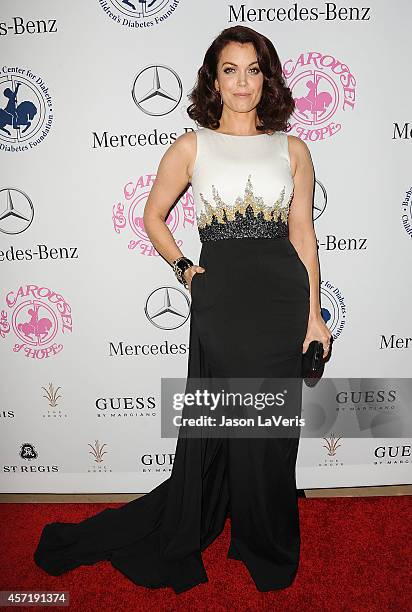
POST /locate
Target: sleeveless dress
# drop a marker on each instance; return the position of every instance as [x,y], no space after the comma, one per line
[249,316]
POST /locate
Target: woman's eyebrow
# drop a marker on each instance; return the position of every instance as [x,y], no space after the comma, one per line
[233,64]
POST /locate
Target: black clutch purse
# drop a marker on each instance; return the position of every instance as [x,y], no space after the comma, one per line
[312,360]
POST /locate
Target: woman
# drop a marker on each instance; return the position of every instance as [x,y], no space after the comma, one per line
[255,309]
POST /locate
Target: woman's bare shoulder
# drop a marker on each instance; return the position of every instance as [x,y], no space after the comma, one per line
[298,145]
[186,146]
[180,153]
[186,142]
[299,152]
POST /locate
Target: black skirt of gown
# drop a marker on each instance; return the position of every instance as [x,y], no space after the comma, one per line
[249,316]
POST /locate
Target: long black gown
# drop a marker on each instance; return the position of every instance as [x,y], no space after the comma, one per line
[249,316]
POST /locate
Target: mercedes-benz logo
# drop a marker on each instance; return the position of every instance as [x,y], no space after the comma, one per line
[167,308]
[16,211]
[320,200]
[157,90]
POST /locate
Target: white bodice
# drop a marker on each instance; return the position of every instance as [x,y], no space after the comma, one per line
[242,185]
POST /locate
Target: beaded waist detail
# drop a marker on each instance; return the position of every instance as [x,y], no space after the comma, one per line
[248,217]
[243,226]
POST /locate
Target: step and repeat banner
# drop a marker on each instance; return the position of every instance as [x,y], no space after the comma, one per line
[91,317]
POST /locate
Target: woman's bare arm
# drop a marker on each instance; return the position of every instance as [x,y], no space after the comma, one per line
[300,220]
[173,175]
[303,237]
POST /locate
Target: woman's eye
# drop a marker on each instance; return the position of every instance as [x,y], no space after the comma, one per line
[253,70]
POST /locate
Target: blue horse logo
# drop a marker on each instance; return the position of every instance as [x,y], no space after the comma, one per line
[18,115]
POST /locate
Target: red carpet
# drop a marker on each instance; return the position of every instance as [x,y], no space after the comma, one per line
[355,556]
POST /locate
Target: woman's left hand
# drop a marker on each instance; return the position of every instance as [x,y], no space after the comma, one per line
[318,330]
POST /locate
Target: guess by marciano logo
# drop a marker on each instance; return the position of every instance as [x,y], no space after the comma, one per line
[323,88]
[127,215]
[393,455]
[156,462]
[36,316]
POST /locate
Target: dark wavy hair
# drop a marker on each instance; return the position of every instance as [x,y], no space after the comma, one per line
[276,103]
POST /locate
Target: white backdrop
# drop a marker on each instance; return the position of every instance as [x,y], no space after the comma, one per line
[84,341]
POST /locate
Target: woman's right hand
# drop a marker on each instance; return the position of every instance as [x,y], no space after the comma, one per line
[189,274]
